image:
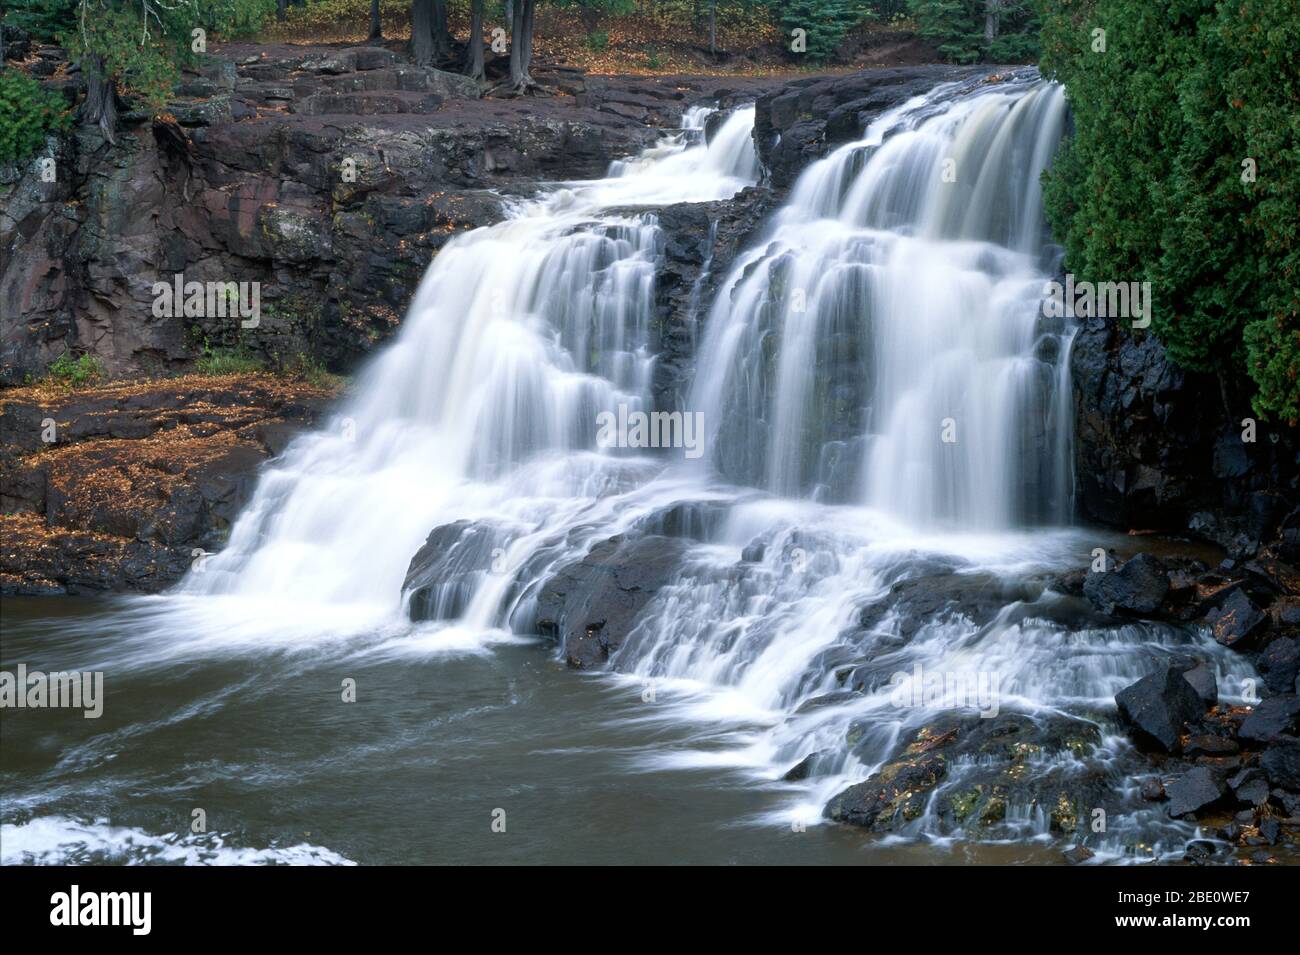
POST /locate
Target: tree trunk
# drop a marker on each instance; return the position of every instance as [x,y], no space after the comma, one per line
[474,60]
[376,29]
[281,9]
[100,106]
[991,8]
[521,45]
[2,46]
[422,32]
[713,26]
[441,36]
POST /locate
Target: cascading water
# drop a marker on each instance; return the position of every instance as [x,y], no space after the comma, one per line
[885,480]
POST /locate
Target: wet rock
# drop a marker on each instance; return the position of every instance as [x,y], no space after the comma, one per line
[1205,682]
[896,792]
[1281,763]
[1077,854]
[1194,790]
[1139,586]
[798,123]
[1237,620]
[1152,790]
[811,765]
[1270,829]
[1271,717]
[1009,765]
[591,605]
[1158,705]
[1279,663]
[1250,787]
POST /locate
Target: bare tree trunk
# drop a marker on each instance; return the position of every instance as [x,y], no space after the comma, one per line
[521,45]
[100,105]
[441,36]
[474,61]
[376,28]
[422,32]
[713,26]
[991,8]
[281,9]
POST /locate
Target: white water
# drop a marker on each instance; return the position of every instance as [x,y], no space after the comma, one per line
[882,303]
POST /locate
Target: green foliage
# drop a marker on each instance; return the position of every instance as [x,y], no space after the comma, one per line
[76,372]
[825,22]
[598,41]
[141,45]
[27,112]
[228,361]
[956,28]
[1154,184]
[45,20]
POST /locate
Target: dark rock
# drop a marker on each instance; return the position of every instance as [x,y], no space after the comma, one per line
[1280,664]
[1158,705]
[1077,854]
[1205,745]
[1270,717]
[1194,790]
[1139,585]
[1204,681]
[897,791]
[1236,620]
[1250,787]
[1281,763]
[1271,829]
[590,606]
[811,765]
[1152,790]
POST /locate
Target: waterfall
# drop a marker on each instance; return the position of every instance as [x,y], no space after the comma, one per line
[885,486]
[886,344]
[519,335]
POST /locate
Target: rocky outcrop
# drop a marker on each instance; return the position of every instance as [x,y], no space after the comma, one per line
[978,774]
[124,488]
[328,175]
[1157,448]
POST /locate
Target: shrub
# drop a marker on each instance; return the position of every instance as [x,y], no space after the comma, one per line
[28,112]
[1183,171]
[228,361]
[76,372]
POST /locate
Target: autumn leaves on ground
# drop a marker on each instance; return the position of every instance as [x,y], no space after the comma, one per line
[121,487]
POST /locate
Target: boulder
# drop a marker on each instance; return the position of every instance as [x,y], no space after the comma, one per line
[1138,586]
[1271,717]
[1236,620]
[1279,664]
[1158,705]
[1194,790]
[1281,763]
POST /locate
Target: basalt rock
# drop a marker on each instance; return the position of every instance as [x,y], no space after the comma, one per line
[1194,790]
[1158,705]
[139,481]
[1139,586]
[591,605]
[1271,717]
[330,176]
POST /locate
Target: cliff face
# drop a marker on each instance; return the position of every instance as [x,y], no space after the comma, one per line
[330,176]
